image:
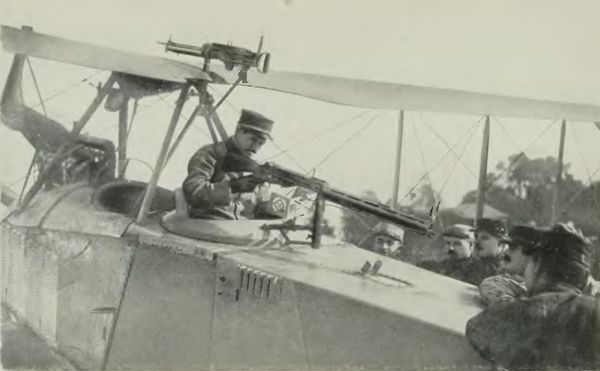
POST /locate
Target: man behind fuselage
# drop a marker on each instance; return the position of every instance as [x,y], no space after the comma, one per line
[489,247]
[213,193]
[554,326]
[389,239]
[510,284]
[458,244]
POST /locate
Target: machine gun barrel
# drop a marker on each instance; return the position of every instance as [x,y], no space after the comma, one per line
[193,50]
[377,209]
[275,174]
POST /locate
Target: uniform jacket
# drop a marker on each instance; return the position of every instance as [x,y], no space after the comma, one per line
[206,187]
[469,270]
[556,329]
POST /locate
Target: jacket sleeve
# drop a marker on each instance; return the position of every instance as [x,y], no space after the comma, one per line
[197,187]
[501,288]
[507,335]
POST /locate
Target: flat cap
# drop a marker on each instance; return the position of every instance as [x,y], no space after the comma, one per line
[461,231]
[256,122]
[390,230]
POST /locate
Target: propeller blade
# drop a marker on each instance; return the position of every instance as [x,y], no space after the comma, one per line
[19,41]
[395,96]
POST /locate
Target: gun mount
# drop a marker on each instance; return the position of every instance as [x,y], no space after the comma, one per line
[275,174]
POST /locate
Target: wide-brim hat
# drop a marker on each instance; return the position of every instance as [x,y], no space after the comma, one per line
[256,122]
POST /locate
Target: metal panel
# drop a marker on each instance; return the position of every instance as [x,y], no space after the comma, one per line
[257,325]
[77,214]
[91,273]
[41,204]
[340,332]
[31,276]
[166,314]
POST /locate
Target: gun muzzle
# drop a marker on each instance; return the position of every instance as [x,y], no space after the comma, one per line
[171,46]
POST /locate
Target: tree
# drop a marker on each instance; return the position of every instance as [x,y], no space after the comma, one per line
[524,189]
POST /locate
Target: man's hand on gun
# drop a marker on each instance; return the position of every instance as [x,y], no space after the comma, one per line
[245,184]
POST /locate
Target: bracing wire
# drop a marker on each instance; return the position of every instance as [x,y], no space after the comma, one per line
[514,161]
[66,88]
[441,138]
[577,195]
[37,87]
[585,165]
[320,134]
[345,142]
[185,117]
[439,161]
[458,159]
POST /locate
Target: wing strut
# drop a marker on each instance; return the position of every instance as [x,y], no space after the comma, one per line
[483,171]
[162,156]
[559,171]
[122,149]
[87,115]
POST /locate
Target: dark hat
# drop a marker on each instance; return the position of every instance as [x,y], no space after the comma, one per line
[525,236]
[567,252]
[460,231]
[496,228]
[256,122]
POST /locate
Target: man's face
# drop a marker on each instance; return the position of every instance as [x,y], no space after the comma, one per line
[514,261]
[386,245]
[458,248]
[487,245]
[249,142]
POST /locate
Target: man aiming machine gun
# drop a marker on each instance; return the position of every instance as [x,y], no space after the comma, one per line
[275,174]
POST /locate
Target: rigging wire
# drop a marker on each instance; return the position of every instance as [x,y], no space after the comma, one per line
[363,128]
[585,165]
[517,158]
[437,134]
[37,87]
[458,158]
[66,88]
[320,134]
[410,191]
[577,195]
[185,117]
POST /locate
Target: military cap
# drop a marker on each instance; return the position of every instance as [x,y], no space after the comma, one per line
[526,236]
[389,230]
[256,122]
[461,231]
[496,228]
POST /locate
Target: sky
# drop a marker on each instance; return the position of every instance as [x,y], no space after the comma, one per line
[543,49]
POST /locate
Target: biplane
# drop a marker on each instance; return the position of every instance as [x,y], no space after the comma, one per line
[113,273]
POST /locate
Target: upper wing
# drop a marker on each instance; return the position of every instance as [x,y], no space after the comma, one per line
[351,92]
[58,49]
[383,95]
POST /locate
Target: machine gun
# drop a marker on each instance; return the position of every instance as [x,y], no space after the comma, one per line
[275,174]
